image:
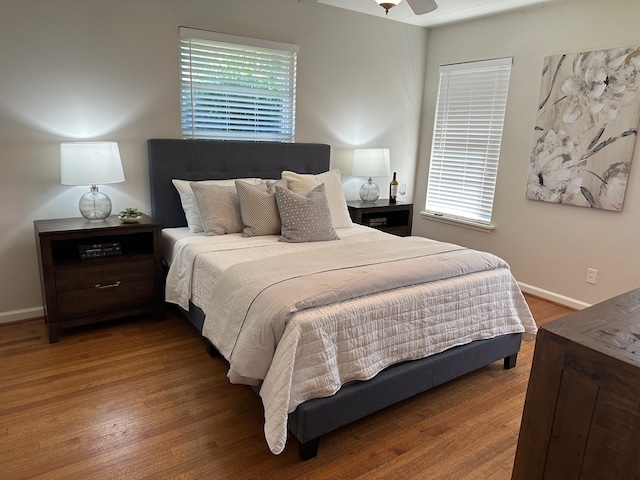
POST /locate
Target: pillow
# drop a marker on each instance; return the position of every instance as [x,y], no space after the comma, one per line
[302,184]
[305,218]
[189,203]
[258,208]
[219,208]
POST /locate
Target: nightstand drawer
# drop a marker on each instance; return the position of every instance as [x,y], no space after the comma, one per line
[104,286]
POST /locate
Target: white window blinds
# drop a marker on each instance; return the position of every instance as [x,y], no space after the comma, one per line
[472,99]
[236,88]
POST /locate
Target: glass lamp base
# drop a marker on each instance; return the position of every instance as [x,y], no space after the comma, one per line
[369,192]
[95,206]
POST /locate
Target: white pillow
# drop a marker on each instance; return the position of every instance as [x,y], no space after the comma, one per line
[189,203]
[303,184]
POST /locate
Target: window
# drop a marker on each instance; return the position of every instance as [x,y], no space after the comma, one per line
[467,134]
[236,88]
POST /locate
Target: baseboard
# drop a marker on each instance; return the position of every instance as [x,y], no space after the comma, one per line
[553,297]
[24,314]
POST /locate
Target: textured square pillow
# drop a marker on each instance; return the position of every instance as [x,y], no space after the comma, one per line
[305,218]
[259,209]
[219,208]
[189,203]
[302,184]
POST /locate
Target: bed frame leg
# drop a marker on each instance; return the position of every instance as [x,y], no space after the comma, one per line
[308,450]
[510,361]
[211,350]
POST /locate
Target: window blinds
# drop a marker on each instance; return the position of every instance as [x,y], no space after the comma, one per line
[472,99]
[236,88]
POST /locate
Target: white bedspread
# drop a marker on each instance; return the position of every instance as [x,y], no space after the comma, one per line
[197,259]
[320,342]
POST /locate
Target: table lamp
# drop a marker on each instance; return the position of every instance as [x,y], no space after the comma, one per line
[371,162]
[91,163]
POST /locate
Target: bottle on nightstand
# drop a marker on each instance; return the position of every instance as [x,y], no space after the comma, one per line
[393,189]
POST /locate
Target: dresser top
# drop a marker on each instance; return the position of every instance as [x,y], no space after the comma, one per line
[611,327]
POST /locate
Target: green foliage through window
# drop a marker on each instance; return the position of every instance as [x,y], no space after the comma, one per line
[236,88]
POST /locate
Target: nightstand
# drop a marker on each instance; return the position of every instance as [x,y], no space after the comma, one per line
[391,218]
[92,272]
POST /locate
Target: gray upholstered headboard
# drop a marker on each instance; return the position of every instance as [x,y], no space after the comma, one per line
[217,160]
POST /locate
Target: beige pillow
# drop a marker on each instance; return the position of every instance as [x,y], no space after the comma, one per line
[219,208]
[305,218]
[259,209]
[303,184]
[189,203]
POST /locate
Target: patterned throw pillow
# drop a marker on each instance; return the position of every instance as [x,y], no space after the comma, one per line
[303,183]
[219,208]
[259,209]
[305,218]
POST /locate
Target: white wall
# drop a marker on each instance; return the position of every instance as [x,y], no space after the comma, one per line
[549,246]
[108,70]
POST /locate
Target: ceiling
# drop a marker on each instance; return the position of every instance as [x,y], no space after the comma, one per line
[448,11]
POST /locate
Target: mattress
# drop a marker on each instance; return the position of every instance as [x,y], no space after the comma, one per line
[170,236]
[324,347]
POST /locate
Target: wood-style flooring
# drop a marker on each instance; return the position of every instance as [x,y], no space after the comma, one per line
[140,399]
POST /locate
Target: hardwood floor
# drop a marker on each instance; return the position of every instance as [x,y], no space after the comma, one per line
[140,399]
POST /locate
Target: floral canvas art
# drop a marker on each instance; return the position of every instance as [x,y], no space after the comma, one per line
[586,128]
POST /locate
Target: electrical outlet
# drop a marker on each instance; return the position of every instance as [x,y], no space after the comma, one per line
[592,274]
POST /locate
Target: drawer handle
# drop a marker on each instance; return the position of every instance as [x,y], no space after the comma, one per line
[111,285]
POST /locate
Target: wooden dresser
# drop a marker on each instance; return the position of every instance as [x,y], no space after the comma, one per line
[581,416]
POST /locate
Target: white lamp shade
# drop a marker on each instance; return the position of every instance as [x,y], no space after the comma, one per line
[371,162]
[392,2]
[90,163]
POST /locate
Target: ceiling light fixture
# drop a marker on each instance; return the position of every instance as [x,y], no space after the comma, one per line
[388,4]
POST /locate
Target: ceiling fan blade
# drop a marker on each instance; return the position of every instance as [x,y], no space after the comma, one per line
[420,7]
[307,1]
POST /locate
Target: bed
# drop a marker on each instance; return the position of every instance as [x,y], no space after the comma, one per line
[316,399]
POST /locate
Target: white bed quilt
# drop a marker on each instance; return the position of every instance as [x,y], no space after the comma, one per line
[314,342]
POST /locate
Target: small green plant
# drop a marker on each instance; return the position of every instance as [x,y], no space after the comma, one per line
[130,213]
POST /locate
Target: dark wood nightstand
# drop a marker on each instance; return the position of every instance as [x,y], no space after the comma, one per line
[120,276]
[391,218]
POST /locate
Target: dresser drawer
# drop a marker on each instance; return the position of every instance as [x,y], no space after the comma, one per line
[104,286]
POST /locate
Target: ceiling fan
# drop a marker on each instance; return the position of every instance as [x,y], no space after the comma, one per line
[419,7]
